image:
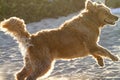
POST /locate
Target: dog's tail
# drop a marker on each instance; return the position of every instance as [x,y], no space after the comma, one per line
[15,27]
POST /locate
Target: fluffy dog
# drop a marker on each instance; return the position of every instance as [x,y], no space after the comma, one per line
[77,37]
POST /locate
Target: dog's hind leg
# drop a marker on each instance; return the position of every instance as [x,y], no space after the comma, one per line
[39,68]
[25,71]
[98,50]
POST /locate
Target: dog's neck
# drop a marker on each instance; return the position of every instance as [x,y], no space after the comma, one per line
[91,19]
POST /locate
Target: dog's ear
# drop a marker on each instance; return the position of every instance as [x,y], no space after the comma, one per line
[89,5]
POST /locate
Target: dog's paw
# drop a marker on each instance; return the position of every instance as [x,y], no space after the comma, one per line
[114,58]
[100,62]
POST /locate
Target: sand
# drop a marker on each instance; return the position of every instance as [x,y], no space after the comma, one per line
[79,69]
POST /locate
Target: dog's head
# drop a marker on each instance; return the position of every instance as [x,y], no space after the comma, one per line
[102,12]
[13,26]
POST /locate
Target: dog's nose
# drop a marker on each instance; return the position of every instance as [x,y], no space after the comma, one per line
[116,18]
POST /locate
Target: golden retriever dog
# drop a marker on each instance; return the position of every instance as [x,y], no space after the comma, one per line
[77,37]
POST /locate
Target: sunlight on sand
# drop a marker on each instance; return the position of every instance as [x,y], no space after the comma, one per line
[70,77]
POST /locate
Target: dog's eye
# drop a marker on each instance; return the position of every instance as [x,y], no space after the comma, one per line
[106,13]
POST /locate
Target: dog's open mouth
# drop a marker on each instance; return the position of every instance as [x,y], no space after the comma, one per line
[109,21]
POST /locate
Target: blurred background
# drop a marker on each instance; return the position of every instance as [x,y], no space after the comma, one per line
[35,10]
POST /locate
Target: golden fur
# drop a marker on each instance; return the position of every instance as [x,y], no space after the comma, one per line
[75,38]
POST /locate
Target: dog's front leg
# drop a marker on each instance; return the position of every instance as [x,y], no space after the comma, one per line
[99,59]
[98,50]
